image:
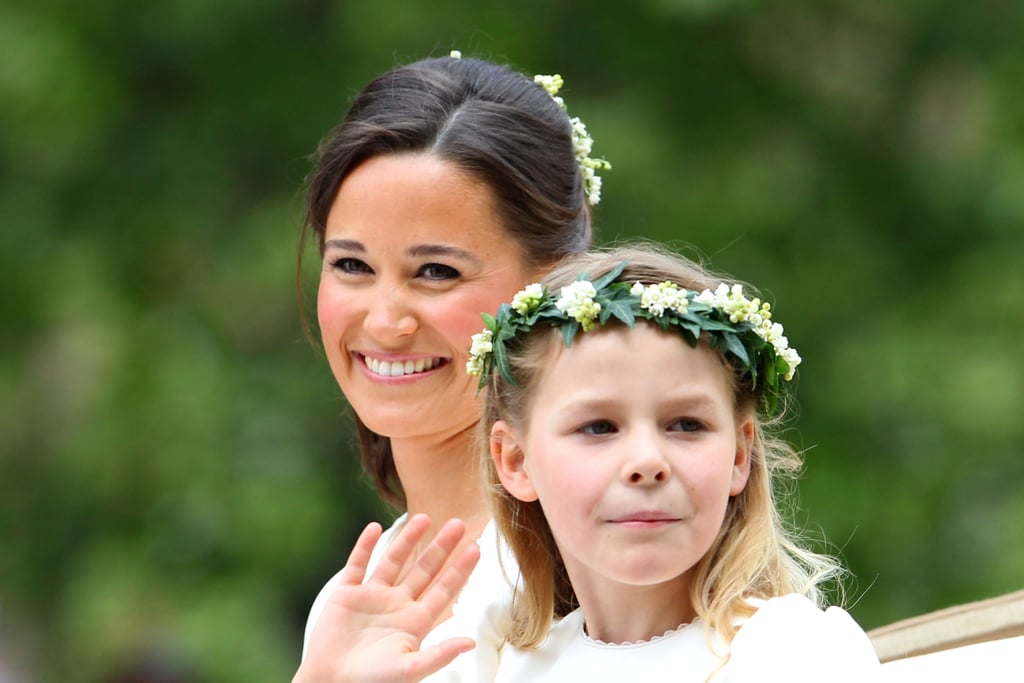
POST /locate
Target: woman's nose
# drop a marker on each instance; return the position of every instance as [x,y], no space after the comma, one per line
[390,315]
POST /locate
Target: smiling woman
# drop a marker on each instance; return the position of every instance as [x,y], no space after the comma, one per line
[449,185]
[413,252]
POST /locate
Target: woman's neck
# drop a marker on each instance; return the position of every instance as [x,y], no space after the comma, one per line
[441,478]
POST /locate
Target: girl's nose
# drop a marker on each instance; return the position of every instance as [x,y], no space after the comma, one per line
[648,472]
[646,464]
[390,316]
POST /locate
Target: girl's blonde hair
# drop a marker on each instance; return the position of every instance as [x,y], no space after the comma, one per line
[754,555]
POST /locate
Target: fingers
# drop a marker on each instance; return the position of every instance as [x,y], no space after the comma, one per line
[393,564]
[355,567]
[437,576]
[389,570]
[449,586]
[435,557]
[435,658]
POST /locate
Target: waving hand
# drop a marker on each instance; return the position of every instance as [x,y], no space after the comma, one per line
[370,631]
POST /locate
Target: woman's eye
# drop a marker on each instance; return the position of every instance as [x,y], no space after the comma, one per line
[438,271]
[347,264]
[687,424]
[598,428]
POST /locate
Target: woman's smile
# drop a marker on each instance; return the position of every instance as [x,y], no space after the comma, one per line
[401,368]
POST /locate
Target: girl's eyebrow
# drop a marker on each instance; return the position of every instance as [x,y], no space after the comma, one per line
[696,401]
[691,402]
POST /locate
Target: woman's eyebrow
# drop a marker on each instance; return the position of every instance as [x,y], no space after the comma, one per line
[421,250]
[346,244]
[415,251]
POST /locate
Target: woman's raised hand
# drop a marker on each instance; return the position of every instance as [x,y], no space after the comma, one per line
[370,632]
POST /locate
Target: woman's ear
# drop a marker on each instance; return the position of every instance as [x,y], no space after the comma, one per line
[510,462]
[744,452]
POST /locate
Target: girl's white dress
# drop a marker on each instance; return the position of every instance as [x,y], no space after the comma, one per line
[788,639]
[480,613]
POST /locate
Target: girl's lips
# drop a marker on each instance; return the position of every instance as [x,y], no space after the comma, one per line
[398,367]
[645,519]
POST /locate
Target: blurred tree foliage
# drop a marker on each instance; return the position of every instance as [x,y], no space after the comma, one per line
[176,473]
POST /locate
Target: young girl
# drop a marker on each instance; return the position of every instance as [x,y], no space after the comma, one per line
[634,475]
[629,403]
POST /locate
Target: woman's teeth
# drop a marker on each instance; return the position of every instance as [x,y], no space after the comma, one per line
[399,368]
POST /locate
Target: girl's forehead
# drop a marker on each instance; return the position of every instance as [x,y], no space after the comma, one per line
[618,360]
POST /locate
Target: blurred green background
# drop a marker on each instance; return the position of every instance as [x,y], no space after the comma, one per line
[177,475]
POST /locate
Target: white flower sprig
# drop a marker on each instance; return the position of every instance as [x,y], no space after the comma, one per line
[659,298]
[527,300]
[730,300]
[582,142]
[480,348]
[739,328]
[577,301]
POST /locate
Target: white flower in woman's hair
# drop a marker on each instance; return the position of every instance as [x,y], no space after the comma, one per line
[551,83]
[480,347]
[527,300]
[582,143]
[577,301]
[592,182]
[455,54]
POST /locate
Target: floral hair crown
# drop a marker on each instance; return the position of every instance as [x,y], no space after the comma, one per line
[582,143]
[740,328]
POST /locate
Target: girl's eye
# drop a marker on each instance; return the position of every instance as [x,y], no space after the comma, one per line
[687,424]
[438,271]
[598,428]
[347,264]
